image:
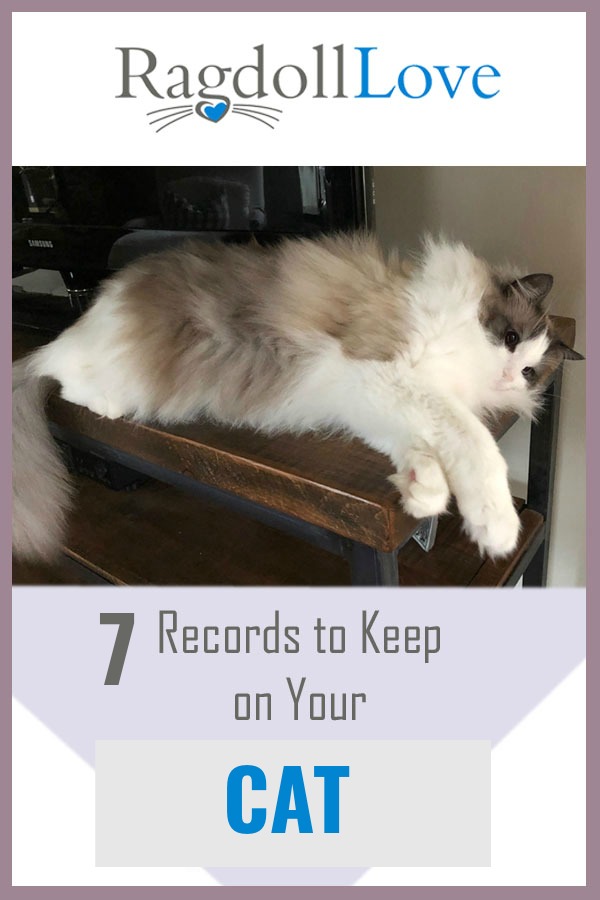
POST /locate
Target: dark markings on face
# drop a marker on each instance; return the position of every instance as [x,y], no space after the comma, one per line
[514,312]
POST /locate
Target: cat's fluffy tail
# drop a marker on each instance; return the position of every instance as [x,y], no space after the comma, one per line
[41,487]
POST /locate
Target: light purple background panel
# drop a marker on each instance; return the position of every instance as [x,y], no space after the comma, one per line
[501,653]
[325,876]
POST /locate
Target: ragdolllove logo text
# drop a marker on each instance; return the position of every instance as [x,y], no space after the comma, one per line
[214,91]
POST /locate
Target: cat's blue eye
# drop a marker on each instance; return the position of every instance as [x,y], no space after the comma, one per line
[528,372]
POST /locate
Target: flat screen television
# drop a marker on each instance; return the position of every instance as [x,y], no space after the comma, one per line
[87,221]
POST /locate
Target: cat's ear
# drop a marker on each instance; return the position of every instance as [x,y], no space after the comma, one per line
[534,287]
[568,352]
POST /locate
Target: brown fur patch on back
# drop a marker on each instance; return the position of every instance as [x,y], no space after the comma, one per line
[243,318]
[343,287]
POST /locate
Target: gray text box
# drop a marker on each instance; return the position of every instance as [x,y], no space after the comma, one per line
[404,803]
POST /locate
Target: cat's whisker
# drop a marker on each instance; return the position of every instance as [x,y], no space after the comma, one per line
[172,122]
[255,106]
[256,112]
[165,108]
[240,112]
[172,115]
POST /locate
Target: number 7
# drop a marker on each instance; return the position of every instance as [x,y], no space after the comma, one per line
[117,659]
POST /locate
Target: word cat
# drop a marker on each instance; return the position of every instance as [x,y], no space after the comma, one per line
[303,336]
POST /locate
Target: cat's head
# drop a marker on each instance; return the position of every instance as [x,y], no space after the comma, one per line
[523,339]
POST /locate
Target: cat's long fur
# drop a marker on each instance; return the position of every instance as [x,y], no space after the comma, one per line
[301,336]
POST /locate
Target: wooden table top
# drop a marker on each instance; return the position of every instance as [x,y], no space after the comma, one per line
[333,482]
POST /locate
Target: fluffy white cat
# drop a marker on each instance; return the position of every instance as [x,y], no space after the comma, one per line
[302,336]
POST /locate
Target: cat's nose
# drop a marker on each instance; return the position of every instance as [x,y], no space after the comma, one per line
[507,376]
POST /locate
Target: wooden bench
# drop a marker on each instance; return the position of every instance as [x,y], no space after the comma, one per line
[231,489]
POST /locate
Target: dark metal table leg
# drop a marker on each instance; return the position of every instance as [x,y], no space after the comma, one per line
[542,465]
[373,567]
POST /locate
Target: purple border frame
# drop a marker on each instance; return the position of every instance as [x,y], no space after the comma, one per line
[593,231]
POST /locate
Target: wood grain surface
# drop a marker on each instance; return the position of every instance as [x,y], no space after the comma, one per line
[160,535]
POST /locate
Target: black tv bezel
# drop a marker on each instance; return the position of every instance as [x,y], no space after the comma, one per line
[84,251]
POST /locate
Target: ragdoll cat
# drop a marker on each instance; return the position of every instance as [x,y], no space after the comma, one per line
[305,335]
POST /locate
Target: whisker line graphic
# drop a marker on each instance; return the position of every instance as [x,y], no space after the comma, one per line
[256,106]
[165,108]
[172,122]
[170,116]
[252,112]
[241,112]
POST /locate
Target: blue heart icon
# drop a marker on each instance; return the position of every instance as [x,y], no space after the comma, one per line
[214,112]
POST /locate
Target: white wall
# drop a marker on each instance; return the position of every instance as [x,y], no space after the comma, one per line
[534,216]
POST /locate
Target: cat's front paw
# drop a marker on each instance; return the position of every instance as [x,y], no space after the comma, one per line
[494,529]
[423,487]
